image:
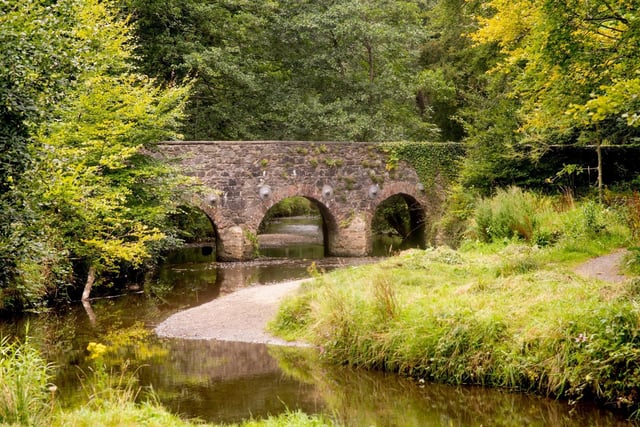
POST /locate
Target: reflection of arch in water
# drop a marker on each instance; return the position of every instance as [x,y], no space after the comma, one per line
[414,232]
[329,228]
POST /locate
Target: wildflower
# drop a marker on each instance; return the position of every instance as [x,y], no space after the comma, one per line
[96,350]
[583,337]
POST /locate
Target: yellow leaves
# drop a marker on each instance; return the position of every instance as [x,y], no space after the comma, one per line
[621,98]
[513,20]
[133,338]
[103,39]
[131,248]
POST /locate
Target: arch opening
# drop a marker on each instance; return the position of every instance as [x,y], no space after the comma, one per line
[192,226]
[398,223]
[296,227]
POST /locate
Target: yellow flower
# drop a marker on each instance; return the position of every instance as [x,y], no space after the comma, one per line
[96,350]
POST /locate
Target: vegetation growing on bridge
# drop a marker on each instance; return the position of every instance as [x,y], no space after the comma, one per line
[435,162]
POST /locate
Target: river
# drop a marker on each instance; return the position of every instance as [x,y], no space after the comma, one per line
[228,382]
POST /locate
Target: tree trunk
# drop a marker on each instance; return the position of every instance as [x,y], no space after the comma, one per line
[600,183]
[89,284]
[369,48]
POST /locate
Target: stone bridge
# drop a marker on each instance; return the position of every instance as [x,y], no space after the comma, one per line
[347,182]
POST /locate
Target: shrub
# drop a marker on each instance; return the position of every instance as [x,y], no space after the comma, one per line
[459,208]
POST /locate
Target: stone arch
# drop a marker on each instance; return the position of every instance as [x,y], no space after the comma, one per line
[207,212]
[412,195]
[229,238]
[329,223]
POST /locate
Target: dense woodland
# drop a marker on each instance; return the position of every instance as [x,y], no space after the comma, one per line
[539,92]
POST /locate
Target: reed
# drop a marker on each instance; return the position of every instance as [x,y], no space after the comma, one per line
[26,397]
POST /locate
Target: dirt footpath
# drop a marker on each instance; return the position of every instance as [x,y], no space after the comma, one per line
[241,316]
[606,267]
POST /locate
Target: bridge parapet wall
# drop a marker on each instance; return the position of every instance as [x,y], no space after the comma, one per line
[245,179]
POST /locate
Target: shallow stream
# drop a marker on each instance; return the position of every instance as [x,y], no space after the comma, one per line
[228,382]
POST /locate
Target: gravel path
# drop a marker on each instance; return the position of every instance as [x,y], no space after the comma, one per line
[606,267]
[240,316]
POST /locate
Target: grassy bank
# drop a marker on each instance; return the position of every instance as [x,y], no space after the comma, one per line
[509,313]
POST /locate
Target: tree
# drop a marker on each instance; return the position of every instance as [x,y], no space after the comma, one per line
[88,192]
[469,103]
[35,69]
[573,67]
[340,70]
[225,47]
[101,189]
[355,66]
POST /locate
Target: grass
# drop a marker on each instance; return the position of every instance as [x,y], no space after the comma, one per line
[507,313]
[153,415]
[24,384]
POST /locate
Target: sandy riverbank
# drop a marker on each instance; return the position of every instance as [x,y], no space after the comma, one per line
[241,316]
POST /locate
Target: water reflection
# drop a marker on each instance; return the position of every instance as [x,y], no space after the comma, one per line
[226,382]
[364,398]
[302,237]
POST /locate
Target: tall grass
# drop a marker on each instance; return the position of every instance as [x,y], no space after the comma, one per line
[25,394]
[511,213]
[500,314]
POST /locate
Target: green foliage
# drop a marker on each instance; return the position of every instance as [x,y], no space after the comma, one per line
[291,206]
[435,163]
[192,225]
[571,65]
[78,125]
[292,418]
[510,214]
[458,210]
[632,211]
[341,70]
[93,192]
[35,69]
[392,217]
[294,315]
[456,67]
[26,397]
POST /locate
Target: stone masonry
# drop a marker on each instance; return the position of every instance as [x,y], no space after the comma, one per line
[346,180]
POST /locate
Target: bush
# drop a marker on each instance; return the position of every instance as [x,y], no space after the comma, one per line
[459,209]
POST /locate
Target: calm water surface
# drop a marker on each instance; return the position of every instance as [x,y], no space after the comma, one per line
[228,382]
